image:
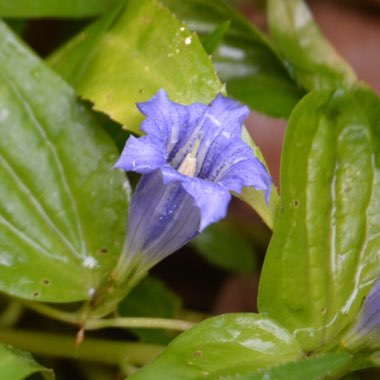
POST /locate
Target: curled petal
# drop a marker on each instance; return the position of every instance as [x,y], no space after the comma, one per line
[211,198]
[247,173]
[141,155]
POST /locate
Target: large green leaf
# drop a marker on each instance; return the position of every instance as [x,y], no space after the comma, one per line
[19,365]
[144,49]
[227,345]
[244,59]
[310,58]
[325,250]
[62,206]
[54,8]
[316,368]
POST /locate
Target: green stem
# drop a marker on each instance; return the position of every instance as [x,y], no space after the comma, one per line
[97,350]
[54,313]
[148,323]
[11,315]
[95,324]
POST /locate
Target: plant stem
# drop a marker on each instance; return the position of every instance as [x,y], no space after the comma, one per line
[149,323]
[11,314]
[54,313]
[94,324]
[91,349]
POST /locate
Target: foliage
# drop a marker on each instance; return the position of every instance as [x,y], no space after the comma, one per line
[64,208]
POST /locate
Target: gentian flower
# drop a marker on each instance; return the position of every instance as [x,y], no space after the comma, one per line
[366,332]
[190,159]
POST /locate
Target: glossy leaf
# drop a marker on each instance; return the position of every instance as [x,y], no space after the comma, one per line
[151,298]
[144,49]
[316,368]
[310,58]
[325,251]
[226,247]
[244,59]
[54,8]
[227,345]
[62,206]
[19,365]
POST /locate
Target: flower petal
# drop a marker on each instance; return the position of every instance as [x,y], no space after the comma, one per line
[370,315]
[141,155]
[169,122]
[219,126]
[247,173]
[163,217]
[211,198]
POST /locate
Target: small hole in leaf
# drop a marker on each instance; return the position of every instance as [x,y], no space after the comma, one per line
[46,281]
[36,294]
[295,203]
[104,251]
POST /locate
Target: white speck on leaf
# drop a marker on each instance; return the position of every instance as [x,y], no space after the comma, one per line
[6,260]
[89,262]
[188,40]
[4,113]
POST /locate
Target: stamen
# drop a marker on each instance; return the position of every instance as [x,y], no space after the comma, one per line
[188,165]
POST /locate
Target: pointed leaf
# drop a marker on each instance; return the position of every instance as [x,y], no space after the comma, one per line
[144,49]
[62,206]
[227,345]
[19,365]
[325,250]
[309,56]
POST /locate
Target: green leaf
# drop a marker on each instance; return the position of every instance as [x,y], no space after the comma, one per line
[325,251]
[226,247]
[144,49]
[54,8]
[19,365]
[62,206]
[245,59]
[222,346]
[151,298]
[315,368]
[310,58]
[212,40]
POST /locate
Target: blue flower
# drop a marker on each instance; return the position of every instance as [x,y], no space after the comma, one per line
[366,332]
[190,159]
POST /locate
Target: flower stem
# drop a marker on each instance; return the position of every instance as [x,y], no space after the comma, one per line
[95,324]
[98,350]
[129,322]
[51,312]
